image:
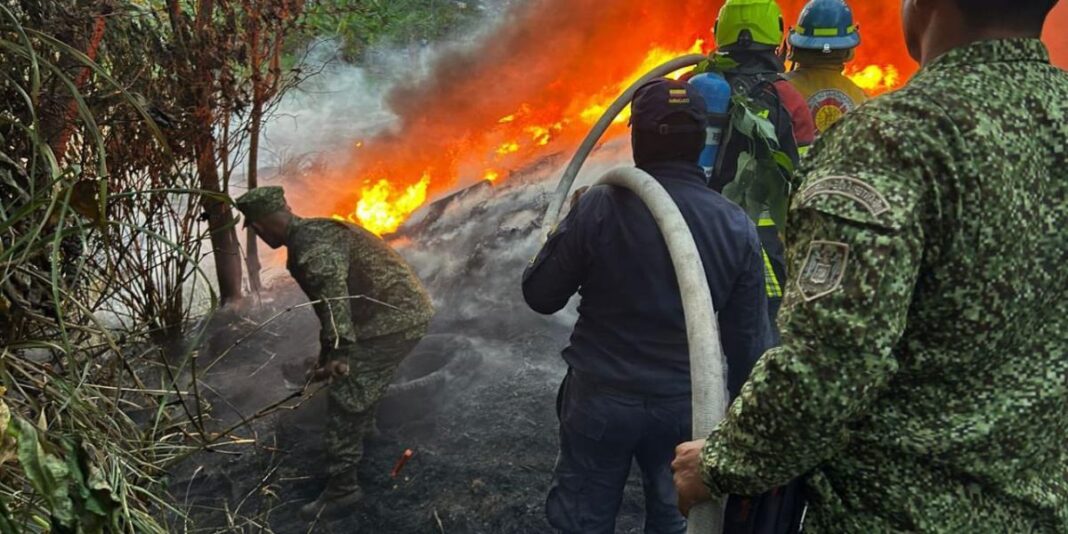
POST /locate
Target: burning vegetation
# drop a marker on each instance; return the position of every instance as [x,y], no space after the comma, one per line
[546,75]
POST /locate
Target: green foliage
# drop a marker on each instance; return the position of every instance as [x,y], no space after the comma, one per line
[762,183]
[77,497]
[716,63]
[73,220]
[359,24]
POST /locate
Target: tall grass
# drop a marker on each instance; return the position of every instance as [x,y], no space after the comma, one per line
[93,270]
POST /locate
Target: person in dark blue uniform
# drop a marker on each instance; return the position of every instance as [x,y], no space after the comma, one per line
[626,396]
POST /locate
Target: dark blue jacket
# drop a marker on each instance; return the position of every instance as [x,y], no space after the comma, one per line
[631,332]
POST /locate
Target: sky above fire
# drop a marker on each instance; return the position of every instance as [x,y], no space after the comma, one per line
[536,84]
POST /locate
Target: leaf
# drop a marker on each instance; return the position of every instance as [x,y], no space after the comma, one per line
[47,474]
[95,494]
[735,191]
[720,63]
[783,161]
[742,121]
[765,130]
[8,450]
[7,526]
[84,199]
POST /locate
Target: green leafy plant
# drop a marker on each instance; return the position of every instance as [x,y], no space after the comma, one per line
[85,465]
[362,24]
[761,184]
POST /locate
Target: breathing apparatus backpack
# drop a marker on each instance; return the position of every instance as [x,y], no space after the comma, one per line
[762,182]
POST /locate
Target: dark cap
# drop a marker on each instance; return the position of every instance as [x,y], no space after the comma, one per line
[261,202]
[668,107]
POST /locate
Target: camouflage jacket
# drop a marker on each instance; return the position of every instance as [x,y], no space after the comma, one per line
[335,260]
[922,384]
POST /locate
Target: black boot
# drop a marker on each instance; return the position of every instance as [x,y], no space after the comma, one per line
[338,500]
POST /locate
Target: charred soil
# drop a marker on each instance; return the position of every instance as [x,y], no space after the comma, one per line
[475,401]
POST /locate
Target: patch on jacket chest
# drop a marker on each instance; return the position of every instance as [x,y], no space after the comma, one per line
[823,270]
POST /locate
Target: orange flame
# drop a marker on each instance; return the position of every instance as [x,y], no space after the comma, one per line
[535,89]
[539,83]
[874,79]
[383,209]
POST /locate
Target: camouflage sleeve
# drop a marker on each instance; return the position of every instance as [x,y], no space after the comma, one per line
[855,245]
[322,273]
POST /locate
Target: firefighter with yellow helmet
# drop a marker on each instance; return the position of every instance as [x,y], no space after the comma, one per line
[749,37]
[823,41]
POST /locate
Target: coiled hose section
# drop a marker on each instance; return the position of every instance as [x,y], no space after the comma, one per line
[708,369]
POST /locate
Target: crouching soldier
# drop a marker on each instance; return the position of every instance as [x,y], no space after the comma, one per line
[372,312]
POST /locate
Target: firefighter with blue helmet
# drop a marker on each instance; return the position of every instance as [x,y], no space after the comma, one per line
[825,38]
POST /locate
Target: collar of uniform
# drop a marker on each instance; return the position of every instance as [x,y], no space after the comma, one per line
[679,170]
[994,51]
[755,62]
[292,227]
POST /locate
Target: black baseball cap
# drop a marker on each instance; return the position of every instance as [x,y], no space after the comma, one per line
[667,106]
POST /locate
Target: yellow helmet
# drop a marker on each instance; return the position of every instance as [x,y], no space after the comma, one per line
[749,24]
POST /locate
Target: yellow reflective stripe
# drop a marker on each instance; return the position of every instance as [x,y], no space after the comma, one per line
[765,222]
[771,282]
[830,32]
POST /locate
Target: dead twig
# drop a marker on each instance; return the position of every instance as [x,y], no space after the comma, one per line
[282,313]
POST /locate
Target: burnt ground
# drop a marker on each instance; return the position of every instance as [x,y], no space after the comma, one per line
[475,401]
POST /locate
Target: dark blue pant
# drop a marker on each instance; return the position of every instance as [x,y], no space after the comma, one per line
[601,433]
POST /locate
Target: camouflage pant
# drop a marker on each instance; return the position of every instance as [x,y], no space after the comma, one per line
[353,399]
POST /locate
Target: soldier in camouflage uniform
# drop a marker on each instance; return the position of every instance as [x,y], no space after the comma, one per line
[372,310]
[922,382]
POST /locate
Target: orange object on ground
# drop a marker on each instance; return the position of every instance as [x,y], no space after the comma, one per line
[408,453]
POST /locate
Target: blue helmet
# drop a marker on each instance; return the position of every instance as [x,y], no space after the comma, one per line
[825,25]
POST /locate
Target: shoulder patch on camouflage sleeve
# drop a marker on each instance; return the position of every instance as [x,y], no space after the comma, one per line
[823,270]
[856,190]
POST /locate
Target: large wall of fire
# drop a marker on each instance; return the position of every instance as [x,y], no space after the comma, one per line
[537,84]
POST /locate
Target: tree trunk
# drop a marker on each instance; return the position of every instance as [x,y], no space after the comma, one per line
[252,257]
[224,244]
[226,250]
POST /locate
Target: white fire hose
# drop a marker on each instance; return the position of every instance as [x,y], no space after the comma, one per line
[708,368]
[592,138]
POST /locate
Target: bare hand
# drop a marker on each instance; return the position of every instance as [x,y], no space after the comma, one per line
[329,371]
[688,481]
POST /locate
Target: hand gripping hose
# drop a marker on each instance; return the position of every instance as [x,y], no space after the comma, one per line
[708,369]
